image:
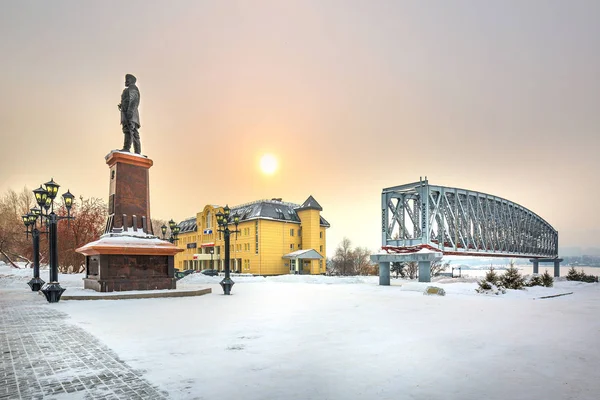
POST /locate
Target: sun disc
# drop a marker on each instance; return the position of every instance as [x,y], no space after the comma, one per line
[268,164]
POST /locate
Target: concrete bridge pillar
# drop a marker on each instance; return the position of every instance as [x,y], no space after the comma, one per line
[536,266]
[384,273]
[424,271]
[424,260]
[556,268]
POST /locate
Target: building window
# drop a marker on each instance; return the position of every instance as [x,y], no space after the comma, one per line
[292,232]
[321,235]
[208,220]
[256,236]
[291,246]
[321,248]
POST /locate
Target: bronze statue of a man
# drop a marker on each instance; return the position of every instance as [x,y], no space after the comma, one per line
[130,117]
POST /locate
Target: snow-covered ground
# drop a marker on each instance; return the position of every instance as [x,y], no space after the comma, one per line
[316,337]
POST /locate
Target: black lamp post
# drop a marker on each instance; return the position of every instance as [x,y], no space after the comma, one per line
[224,219]
[45,199]
[174,234]
[30,221]
[174,231]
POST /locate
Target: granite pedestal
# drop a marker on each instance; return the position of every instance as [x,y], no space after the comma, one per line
[128,256]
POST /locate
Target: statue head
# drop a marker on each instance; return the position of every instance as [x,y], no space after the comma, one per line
[130,79]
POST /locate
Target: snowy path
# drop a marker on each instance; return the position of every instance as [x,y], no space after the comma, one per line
[44,357]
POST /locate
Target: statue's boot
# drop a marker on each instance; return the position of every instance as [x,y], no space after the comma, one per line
[127,142]
[137,144]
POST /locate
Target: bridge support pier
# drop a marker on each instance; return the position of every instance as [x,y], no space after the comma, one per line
[424,260]
[424,271]
[384,273]
[536,262]
[536,267]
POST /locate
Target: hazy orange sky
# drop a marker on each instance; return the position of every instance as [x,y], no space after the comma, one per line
[501,97]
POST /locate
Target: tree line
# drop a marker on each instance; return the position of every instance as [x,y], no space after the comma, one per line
[351,261]
[90,217]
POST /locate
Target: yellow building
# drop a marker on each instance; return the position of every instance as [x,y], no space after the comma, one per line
[274,238]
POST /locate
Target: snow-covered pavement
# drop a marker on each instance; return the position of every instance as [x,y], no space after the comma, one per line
[304,337]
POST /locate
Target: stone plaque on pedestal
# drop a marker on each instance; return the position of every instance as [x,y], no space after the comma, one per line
[128,256]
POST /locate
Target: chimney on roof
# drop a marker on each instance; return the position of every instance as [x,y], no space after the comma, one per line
[277,199]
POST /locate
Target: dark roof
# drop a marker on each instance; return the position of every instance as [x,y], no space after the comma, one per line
[188,225]
[264,209]
[274,209]
[310,204]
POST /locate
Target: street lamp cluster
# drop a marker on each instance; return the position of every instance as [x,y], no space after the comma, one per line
[174,227]
[224,219]
[44,197]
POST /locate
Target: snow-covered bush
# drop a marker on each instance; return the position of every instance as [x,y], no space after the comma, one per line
[512,279]
[547,279]
[534,280]
[486,287]
[491,276]
[573,275]
[544,279]
[490,284]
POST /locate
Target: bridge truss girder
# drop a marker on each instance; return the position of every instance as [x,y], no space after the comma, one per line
[459,221]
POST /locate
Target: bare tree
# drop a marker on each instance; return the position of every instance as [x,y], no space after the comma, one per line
[362,261]
[90,217]
[13,241]
[156,224]
[437,267]
[349,261]
[343,260]
[411,268]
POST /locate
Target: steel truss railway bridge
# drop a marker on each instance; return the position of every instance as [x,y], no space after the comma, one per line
[421,222]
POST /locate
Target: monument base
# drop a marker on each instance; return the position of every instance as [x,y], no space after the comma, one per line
[122,263]
[125,284]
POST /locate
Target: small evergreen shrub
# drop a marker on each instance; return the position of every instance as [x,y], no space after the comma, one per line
[535,280]
[588,278]
[491,276]
[490,284]
[544,279]
[484,285]
[573,275]
[547,279]
[512,279]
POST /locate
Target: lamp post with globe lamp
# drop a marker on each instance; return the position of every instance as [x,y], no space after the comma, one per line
[224,219]
[45,199]
[174,231]
[30,221]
